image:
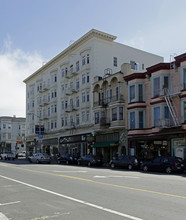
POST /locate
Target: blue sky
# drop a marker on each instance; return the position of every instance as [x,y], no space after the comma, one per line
[34,31]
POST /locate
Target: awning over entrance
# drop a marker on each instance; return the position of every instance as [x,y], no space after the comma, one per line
[106,144]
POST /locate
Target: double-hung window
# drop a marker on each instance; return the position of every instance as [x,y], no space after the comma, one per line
[156,86]
[132,95]
[96,117]
[141,119]
[114,114]
[140,92]
[120,113]
[157,116]
[132,121]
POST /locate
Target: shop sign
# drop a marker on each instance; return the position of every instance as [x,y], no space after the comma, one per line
[90,138]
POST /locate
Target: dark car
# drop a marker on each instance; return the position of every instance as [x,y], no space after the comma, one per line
[166,164]
[124,161]
[90,160]
[67,159]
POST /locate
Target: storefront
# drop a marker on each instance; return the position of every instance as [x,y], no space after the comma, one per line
[107,145]
[76,144]
[50,146]
[150,146]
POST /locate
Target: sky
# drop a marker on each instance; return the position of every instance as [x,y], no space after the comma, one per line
[32,32]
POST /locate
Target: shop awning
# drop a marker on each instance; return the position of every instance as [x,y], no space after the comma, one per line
[106,144]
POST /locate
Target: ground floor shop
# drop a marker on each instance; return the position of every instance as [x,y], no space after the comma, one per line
[76,145]
[110,145]
[164,144]
[49,146]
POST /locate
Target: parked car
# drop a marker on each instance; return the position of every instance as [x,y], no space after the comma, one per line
[90,160]
[125,161]
[167,164]
[67,159]
[39,158]
[8,156]
[22,154]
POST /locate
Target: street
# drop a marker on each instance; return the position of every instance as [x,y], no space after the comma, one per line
[52,191]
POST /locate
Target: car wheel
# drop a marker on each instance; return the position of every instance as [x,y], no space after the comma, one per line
[130,166]
[67,162]
[78,163]
[145,168]
[37,161]
[89,164]
[168,170]
[112,165]
[58,161]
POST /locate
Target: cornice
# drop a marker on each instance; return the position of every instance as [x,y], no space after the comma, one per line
[89,35]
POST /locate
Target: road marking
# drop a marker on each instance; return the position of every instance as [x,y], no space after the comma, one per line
[9,203]
[135,177]
[66,171]
[3,217]
[56,215]
[102,183]
[74,199]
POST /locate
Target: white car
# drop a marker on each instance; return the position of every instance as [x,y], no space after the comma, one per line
[39,158]
[8,156]
[22,154]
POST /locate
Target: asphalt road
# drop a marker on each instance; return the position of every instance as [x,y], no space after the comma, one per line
[55,192]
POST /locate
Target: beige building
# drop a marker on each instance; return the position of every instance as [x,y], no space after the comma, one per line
[59,96]
[12,134]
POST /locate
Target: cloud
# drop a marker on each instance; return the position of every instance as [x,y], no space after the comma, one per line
[15,66]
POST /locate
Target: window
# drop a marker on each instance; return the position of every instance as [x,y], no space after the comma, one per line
[88,79]
[88,97]
[132,93]
[83,116]
[156,116]
[83,60]
[107,97]
[63,72]
[77,119]
[66,104]
[77,84]
[71,69]
[114,114]
[117,93]
[140,92]
[110,95]
[83,79]
[156,87]
[140,117]
[62,105]
[88,116]
[77,66]
[62,122]
[83,97]
[143,66]
[184,78]
[120,113]
[88,59]
[62,89]
[96,117]
[132,120]
[77,101]
[115,62]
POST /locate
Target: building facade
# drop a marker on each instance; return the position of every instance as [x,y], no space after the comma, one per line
[59,96]
[12,134]
[157,110]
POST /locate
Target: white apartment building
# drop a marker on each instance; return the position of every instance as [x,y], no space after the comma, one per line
[12,134]
[59,96]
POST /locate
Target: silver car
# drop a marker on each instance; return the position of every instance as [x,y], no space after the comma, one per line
[39,158]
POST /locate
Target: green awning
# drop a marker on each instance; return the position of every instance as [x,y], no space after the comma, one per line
[106,144]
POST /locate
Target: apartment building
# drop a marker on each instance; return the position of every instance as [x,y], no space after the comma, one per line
[157,110]
[12,134]
[59,96]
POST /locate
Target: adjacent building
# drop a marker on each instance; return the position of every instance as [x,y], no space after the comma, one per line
[157,110]
[59,96]
[12,134]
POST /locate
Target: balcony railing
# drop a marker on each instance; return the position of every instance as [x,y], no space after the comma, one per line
[105,102]
[166,123]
